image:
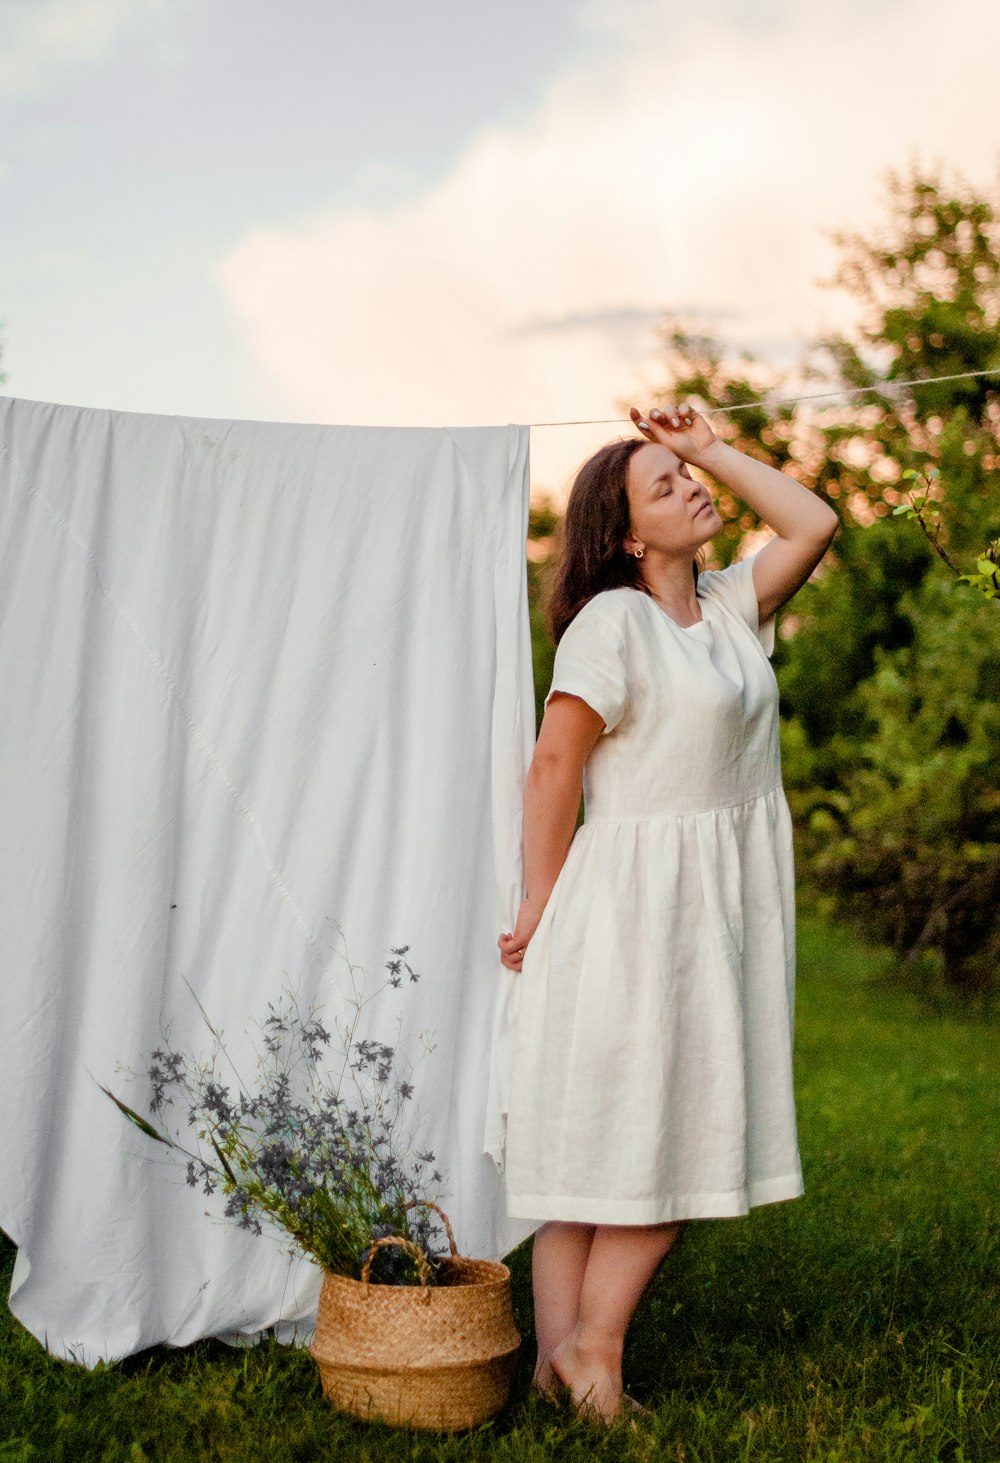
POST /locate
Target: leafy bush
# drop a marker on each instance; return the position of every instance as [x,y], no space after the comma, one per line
[906,835]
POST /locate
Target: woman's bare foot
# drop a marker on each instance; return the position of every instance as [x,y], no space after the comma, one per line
[593,1376]
[546,1381]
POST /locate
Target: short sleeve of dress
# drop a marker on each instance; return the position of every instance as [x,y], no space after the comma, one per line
[734,587]
[591,663]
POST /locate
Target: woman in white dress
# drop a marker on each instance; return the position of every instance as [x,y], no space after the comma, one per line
[652,1040]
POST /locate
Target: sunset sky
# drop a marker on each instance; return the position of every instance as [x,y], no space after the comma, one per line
[448,213]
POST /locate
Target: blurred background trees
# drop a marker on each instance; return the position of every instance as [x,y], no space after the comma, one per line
[888,665]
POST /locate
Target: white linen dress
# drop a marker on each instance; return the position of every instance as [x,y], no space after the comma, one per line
[651,1062]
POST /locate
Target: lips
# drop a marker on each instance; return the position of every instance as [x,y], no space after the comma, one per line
[702,508]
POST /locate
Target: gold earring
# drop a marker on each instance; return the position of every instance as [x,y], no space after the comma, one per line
[639,553]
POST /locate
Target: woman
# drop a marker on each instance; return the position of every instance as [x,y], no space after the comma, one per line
[652,1045]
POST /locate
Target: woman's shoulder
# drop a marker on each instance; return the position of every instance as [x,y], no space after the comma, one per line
[732,576]
[610,604]
[603,619]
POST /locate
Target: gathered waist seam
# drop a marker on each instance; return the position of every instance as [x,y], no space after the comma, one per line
[692,813]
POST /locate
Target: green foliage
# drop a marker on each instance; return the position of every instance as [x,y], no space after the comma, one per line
[900,826]
[543,527]
[542,649]
[922,510]
[908,830]
[842,618]
[929,286]
[860,1322]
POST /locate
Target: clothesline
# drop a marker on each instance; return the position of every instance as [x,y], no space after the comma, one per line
[788,400]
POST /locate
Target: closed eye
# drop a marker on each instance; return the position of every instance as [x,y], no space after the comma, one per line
[680,472]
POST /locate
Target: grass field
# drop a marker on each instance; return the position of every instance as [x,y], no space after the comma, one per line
[859,1323]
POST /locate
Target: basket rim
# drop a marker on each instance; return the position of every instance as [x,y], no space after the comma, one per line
[501,1277]
[476,1364]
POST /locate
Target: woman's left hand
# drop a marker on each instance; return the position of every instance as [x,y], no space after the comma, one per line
[680,428]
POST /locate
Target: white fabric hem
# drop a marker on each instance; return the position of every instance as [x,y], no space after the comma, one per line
[731,1204]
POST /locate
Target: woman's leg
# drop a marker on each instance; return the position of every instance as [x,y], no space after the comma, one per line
[622,1261]
[558,1264]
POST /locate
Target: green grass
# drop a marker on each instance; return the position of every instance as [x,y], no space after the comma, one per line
[859,1323]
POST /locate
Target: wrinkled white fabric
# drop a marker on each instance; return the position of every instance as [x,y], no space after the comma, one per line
[259,680]
[651,1035]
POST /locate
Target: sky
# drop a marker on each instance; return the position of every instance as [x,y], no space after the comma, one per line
[450,213]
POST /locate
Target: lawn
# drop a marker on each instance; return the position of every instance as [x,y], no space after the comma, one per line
[859,1323]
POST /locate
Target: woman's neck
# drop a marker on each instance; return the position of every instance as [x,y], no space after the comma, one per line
[672,585]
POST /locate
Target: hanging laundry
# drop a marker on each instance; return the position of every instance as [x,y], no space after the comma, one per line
[267,713]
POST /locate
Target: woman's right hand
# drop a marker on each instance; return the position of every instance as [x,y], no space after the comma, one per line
[512,946]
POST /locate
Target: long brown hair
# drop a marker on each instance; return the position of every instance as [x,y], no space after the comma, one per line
[590,537]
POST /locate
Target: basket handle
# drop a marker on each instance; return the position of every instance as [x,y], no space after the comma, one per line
[429,1204]
[415,1251]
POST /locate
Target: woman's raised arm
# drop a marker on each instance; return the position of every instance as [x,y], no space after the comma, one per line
[803,524]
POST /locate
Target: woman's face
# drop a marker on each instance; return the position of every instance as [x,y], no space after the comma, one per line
[669,510]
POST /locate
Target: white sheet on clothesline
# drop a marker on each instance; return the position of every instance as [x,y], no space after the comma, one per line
[258,680]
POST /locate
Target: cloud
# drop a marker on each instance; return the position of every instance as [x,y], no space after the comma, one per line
[677,164]
[611,320]
[39,41]
[624,317]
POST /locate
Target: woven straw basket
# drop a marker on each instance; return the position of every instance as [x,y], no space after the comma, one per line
[431,1356]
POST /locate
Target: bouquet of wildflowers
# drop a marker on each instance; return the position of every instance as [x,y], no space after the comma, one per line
[314,1155]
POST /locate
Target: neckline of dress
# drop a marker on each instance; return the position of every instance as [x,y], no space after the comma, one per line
[686,628]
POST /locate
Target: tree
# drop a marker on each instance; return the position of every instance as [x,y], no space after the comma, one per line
[909,841]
